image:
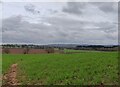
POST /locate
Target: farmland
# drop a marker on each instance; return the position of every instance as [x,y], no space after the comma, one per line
[83,68]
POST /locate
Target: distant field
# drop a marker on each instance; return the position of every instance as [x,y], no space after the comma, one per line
[78,51]
[85,68]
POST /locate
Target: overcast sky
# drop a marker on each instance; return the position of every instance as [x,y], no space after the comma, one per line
[60,23]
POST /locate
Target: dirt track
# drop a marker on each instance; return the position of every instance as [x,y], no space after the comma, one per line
[10,77]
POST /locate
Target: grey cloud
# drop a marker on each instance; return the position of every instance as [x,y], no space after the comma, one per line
[60,30]
[107,7]
[78,7]
[110,36]
[16,29]
[63,27]
[31,8]
[74,7]
[119,11]
[8,24]
[76,25]
[106,27]
[52,11]
[66,23]
[76,28]
[19,31]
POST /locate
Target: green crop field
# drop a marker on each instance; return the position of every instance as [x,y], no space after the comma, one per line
[85,68]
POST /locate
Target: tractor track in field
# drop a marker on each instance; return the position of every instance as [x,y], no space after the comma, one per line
[10,78]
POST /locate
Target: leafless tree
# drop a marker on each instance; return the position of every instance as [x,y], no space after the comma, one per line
[6,51]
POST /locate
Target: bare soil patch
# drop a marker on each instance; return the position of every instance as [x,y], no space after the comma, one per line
[23,51]
[10,77]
